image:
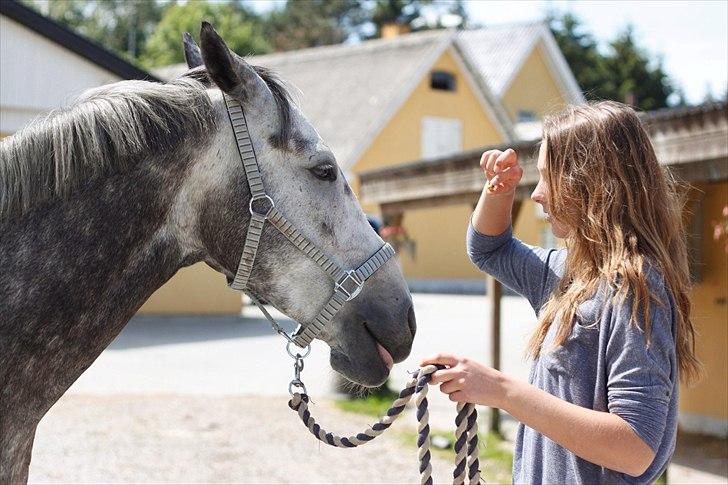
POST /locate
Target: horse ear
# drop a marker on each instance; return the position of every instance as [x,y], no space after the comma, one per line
[228,70]
[193,56]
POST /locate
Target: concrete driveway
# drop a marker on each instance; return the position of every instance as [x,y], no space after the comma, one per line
[233,356]
[203,399]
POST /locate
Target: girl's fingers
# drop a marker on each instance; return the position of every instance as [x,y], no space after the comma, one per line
[452,386]
[442,358]
[457,396]
[444,375]
[504,159]
[490,162]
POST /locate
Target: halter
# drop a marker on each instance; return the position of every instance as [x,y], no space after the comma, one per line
[347,283]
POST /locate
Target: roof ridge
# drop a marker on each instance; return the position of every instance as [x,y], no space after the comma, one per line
[334,50]
[507,25]
[339,50]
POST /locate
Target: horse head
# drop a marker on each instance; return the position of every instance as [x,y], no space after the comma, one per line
[301,175]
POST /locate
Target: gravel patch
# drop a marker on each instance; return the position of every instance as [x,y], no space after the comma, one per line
[206,439]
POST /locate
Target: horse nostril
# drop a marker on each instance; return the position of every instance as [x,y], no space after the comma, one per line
[412,321]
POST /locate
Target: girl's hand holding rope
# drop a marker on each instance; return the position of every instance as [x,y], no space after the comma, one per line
[469,381]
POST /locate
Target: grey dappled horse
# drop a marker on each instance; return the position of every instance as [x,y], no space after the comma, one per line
[101,203]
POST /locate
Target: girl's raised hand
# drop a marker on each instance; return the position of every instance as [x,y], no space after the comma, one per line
[502,171]
[468,381]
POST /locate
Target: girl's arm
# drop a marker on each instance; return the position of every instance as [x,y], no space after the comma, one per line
[490,242]
[640,382]
[599,437]
[492,214]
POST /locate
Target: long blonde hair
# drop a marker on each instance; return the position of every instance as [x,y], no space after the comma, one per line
[622,209]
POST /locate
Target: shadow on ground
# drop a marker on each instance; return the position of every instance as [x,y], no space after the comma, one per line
[705,454]
[149,330]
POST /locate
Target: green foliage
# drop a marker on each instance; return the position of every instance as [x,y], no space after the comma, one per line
[313,23]
[580,50]
[240,27]
[374,404]
[624,73]
[122,26]
[631,77]
[494,453]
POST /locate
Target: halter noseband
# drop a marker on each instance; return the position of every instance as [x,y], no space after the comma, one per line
[347,284]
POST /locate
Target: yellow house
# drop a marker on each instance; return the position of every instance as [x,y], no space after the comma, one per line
[389,101]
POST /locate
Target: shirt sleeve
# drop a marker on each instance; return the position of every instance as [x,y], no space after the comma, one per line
[641,378]
[530,271]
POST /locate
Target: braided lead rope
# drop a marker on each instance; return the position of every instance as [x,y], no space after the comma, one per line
[466,432]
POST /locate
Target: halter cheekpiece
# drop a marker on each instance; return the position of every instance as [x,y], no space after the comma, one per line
[347,283]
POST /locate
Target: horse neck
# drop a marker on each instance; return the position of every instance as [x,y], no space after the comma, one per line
[75,272]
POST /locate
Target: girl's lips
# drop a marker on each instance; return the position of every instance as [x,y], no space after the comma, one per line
[386,356]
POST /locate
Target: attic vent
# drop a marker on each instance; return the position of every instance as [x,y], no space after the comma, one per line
[442,80]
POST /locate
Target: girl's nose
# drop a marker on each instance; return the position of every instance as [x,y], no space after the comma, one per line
[536,196]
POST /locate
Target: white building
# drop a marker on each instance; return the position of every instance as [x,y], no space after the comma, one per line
[44,65]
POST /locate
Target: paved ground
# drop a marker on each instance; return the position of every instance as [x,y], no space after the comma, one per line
[206,439]
[229,356]
[201,400]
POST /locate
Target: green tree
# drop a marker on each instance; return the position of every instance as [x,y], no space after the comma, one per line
[580,50]
[624,73]
[632,77]
[241,28]
[122,26]
[312,23]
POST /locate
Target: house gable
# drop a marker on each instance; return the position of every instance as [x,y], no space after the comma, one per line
[533,89]
[400,140]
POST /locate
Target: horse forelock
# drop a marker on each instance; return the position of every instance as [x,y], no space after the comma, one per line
[107,130]
[281,96]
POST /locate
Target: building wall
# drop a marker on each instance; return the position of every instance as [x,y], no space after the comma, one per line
[439,232]
[39,75]
[533,89]
[400,140]
[197,289]
[704,407]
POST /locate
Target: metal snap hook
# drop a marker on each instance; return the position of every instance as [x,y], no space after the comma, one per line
[296,383]
[297,355]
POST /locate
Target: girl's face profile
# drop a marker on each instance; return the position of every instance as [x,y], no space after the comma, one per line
[540,194]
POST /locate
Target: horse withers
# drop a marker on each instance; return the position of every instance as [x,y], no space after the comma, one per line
[101,203]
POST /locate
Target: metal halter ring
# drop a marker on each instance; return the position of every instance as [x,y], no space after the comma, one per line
[270,206]
[350,285]
[297,355]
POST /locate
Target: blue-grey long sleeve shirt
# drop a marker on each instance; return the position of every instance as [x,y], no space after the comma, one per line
[605,364]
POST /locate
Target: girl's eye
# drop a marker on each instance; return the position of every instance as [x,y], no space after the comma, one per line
[324,172]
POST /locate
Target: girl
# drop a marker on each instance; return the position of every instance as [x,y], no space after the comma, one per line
[614,329]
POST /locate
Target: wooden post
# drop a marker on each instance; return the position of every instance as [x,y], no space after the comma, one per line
[494,291]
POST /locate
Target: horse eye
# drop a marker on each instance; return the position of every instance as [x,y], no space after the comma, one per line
[324,172]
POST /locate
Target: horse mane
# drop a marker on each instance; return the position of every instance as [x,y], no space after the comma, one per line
[110,129]
[107,130]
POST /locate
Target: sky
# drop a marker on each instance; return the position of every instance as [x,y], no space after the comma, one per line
[690,36]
